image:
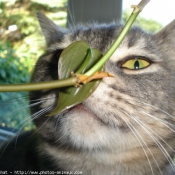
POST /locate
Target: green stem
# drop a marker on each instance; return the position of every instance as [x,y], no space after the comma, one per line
[39,86]
[85,62]
[123,33]
[73,80]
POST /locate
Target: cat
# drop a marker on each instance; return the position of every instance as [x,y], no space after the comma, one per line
[126,127]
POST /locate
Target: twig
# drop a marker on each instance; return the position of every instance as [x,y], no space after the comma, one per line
[72,81]
[137,9]
[39,86]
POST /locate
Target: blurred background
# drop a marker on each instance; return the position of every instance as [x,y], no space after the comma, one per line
[21,44]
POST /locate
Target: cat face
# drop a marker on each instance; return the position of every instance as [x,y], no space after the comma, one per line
[127,124]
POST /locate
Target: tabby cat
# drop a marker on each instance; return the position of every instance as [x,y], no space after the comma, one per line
[126,127]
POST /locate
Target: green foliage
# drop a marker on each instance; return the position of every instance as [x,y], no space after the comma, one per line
[12,70]
[21,28]
[147,24]
[20,48]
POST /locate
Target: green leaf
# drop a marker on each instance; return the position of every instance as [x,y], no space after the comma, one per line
[74,58]
[71,58]
[83,66]
[3,73]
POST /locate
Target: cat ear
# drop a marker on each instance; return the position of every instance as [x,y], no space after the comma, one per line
[51,31]
[166,37]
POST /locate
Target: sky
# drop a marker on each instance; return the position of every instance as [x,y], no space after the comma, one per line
[162,11]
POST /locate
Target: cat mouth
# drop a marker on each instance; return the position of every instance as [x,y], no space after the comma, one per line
[84,111]
[82,108]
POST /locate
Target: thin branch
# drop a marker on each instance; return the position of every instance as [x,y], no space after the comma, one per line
[137,9]
[72,81]
[143,3]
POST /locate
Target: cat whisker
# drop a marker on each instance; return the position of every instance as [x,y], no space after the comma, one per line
[27,119]
[37,102]
[32,117]
[161,147]
[166,123]
[157,108]
[35,115]
[135,132]
[19,109]
[158,119]
[137,135]
[40,113]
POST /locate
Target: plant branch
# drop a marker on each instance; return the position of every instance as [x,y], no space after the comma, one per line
[73,81]
[137,9]
[39,86]
[143,3]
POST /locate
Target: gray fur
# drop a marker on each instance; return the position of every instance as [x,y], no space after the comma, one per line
[126,127]
[131,118]
[130,123]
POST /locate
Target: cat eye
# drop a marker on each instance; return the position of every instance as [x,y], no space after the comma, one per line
[135,64]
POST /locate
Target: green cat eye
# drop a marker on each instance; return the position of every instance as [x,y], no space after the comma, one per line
[135,64]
